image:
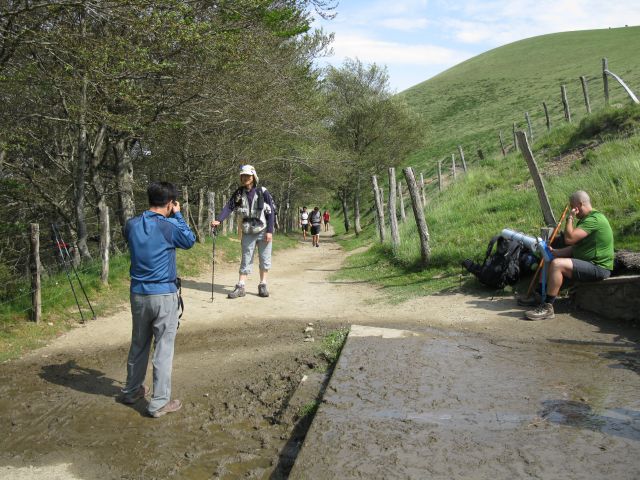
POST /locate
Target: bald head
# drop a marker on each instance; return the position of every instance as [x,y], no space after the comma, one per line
[579,197]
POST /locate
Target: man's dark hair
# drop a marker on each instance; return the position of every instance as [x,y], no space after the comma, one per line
[161,193]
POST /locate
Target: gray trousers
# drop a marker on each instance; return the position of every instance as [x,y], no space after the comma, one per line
[154,317]
[249,241]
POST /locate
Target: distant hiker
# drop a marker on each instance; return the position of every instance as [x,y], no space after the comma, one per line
[325,218]
[153,238]
[587,258]
[304,222]
[256,206]
[315,218]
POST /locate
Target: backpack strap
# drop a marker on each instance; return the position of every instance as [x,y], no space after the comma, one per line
[492,242]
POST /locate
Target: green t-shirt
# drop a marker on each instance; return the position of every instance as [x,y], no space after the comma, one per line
[597,246]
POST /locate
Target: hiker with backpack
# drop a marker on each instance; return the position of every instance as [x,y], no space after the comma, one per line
[326,216]
[255,204]
[315,218]
[304,222]
[588,256]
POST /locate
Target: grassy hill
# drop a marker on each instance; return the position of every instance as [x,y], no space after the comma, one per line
[467,105]
[470,103]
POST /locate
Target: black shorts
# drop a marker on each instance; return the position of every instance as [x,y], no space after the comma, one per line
[315,229]
[584,271]
[305,227]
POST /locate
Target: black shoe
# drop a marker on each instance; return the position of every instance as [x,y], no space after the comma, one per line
[237,292]
[262,290]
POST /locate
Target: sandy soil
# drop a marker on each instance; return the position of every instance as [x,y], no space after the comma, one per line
[237,365]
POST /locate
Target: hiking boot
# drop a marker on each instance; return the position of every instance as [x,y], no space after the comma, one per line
[543,311]
[237,292]
[530,301]
[170,407]
[130,399]
[262,290]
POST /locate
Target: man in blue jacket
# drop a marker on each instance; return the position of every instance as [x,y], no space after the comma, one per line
[153,238]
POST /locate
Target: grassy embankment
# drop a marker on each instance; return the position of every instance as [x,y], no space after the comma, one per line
[601,155]
[60,313]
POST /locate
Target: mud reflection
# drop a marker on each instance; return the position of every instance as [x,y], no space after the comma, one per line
[620,422]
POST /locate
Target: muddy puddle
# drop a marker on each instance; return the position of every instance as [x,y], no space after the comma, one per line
[447,405]
[237,421]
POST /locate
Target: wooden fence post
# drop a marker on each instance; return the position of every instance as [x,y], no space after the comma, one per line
[515,140]
[453,165]
[185,204]
[546,114]
[393,219]
[231,219]
[35,268]
[464,164]
[403,215]
[418,213]
[439,175]
[565,103]
[424,197]
[585,92]
[379,212]
[605,80]
[528,119]
[211,209]
[105,241]
[547,212]
[504,151]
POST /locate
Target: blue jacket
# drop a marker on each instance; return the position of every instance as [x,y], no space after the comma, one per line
[152,240]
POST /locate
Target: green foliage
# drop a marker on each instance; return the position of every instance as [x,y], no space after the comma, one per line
[332,344]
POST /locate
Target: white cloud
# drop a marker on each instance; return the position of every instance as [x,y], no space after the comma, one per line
[404,24]
[371,50]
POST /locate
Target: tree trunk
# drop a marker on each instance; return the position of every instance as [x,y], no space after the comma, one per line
[356,208]
[211,210]
[379,208]
[201,215]
[403,215]
[418,213]
[124,180]
[79,174]
[345,210]
[393,219]
[225,223]
[105,241]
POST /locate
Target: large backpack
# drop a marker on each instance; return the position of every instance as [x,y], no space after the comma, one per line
[500,268]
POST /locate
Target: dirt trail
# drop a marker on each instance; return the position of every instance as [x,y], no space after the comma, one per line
[236,366]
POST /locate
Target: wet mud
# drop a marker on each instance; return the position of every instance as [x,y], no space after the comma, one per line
[239,365]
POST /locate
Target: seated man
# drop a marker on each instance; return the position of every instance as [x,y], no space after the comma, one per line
[588,256]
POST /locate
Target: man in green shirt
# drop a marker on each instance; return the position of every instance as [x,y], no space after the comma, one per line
[588,256]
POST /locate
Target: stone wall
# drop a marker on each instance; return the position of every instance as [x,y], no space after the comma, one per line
[616,298]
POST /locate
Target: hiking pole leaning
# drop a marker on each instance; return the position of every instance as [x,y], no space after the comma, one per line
[214,234]
[551,239]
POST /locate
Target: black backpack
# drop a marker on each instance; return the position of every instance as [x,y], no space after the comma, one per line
[500,268]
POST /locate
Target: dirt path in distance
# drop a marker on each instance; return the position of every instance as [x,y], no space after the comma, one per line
[237,363]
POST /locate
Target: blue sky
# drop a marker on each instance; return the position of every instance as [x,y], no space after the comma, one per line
[417,39]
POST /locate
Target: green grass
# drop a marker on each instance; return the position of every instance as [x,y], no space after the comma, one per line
[332,344]
[60,313]
[470,103]
[499,194]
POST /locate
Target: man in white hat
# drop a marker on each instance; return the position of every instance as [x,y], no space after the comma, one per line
[256,206]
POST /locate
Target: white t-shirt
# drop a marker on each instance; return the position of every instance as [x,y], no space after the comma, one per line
[304,218]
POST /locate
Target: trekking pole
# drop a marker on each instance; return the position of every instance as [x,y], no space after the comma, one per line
[551,239]
[77,276]
[214,234]
[66,268]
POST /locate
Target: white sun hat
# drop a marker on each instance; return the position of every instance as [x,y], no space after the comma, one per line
[249,170]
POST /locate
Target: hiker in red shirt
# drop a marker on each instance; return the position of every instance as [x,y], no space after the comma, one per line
[325,219]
